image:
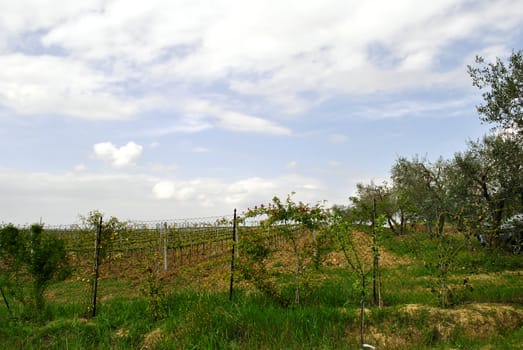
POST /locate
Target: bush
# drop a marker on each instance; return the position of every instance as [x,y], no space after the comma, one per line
[35,256]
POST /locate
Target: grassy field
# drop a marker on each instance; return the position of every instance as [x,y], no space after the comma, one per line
[486,309]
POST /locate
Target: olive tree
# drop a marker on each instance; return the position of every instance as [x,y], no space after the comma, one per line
[488,183]
[503,98]
[422,188]
[376,200]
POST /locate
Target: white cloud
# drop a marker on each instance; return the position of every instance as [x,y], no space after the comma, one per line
[198,115]
[293,54]
[200,150]
[118,157]
[163,190]
[292,164]
[213,193]
[60,198]
[34,15]
[446,108]
[232,120]
[56,85]
[188,125]
[310,187]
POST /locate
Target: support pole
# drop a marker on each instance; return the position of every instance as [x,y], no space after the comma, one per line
[96,265]
[234,240]
[374,255]
[165,247]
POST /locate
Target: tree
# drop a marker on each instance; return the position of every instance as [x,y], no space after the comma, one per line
[504,96]
[342,231]
[422,189]
[380,198]
[12,250]
[47,262]
[33,255]
[488,183]
[106,234]
[299,224]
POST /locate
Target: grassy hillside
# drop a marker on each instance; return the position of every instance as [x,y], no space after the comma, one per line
[485,312]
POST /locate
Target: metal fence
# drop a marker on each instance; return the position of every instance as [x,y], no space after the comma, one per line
[174,243]
[177,242]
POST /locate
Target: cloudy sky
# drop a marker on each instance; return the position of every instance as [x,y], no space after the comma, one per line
[173,109]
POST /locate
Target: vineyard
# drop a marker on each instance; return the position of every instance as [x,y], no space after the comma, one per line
[302,277]
[172,243]
[179,242]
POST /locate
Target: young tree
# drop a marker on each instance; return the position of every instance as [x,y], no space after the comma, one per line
[341,229]
[12,250]
[105,234]
[47,262]
[299,224]
[38,256]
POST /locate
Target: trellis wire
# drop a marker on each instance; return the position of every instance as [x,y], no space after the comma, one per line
[178,241]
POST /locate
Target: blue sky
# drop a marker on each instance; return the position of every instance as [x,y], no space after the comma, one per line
[174,109]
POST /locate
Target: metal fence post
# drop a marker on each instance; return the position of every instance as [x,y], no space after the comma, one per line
[165,248]
[234,239]
[96,265]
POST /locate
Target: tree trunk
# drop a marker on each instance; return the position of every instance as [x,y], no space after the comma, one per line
[441,224]
[362,310]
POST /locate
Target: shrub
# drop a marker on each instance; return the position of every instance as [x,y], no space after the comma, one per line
[35,256]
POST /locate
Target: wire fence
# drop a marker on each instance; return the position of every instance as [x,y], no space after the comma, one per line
[175,243]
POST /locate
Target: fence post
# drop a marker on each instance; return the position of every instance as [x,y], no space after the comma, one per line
[232,254]
[165,248]
[217,243]
[376,277]
[96,265]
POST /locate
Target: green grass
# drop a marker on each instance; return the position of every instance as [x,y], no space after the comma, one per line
[199,318]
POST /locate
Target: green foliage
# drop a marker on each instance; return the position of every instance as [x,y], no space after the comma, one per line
[504,83]
[153,289]
[12,258]
[47,262]
[255,248]
[487,185]
[32,255]
[423,188]
[12,245]
[385,199]
[113,231]
[299,224]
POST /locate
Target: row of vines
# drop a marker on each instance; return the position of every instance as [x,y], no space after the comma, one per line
[177,243]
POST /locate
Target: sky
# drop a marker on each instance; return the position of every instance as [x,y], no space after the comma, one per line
[164,109]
